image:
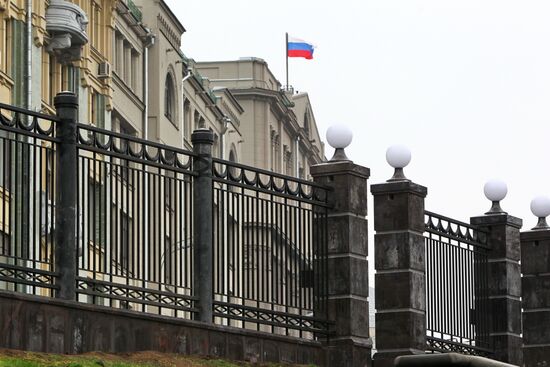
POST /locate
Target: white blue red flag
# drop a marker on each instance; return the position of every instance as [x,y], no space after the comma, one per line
[299,48]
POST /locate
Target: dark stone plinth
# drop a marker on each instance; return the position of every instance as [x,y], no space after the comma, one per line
[348,276]
[536,356]
[400,281]
[503,239]
[400,290]
[535,267]
[57,326]
[349,183]
[350,354]
[348,234]
[402,250]
[536,291]
[400,330]
[397,206]
[348,282]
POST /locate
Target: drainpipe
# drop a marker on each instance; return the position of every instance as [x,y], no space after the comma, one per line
[29,55]
[189,74]
[150,41]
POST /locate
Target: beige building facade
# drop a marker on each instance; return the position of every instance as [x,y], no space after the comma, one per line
[278,128]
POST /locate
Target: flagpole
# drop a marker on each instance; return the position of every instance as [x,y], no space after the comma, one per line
[286,50]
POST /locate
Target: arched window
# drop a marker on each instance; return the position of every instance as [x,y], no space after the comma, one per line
[306,122]
[169,96]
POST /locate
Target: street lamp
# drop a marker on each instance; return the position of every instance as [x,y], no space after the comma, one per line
[540,207]
[495,190]
[398,156]
[339,137]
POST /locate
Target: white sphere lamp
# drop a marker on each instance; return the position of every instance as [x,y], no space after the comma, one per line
[540,207]
[495,190]
[339,137]
[398,156]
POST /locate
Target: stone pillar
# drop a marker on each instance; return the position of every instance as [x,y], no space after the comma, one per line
[348,285]
[400,280]
[202,141]
[504,284]
[535,266]
[66,105]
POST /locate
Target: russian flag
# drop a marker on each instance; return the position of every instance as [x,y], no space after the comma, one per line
[299,48]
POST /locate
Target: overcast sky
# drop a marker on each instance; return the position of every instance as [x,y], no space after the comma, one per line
[465,84]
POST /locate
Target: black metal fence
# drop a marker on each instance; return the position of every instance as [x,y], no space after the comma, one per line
[135,238]
[456,287]
[27,201]
[270,251]
[134,224]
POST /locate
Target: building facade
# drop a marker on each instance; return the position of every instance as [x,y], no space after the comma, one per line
[279,128]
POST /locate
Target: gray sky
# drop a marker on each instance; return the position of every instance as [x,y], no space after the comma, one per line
[465,84]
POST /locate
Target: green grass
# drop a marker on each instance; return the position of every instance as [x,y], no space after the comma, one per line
[66,362]
[9,358]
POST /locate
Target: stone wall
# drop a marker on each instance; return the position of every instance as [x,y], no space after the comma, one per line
[54,326]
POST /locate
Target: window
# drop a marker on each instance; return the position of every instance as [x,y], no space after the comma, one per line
[97,207]
[4,46]
[126,129]
[134,72]
[187,119]
[306,122]
[169,98]
[98,109]
[197,119]
[96,24]
[68,79]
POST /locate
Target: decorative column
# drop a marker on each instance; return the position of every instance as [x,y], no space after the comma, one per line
[535,267]
[399,263]
[202,141]
[348,286]
[504,275]
[66,105]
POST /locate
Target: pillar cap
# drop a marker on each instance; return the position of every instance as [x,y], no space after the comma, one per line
[497,219]
[65,99]
[396,187]
[202,136]
[339,168]
[534,235]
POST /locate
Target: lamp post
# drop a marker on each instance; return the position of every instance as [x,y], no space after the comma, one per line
[339,137]
[495,190]
[540,207]
[398,156]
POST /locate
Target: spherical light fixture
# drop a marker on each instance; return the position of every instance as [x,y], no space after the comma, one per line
[495,190]
[398,156]
[540,207]
[339,137]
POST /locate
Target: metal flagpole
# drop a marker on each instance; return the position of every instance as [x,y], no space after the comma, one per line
[286,50]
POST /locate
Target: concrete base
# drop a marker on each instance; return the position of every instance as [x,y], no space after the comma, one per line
[49,325]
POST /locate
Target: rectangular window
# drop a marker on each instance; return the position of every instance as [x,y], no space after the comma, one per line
[96,24]
[134,71]
[68,80]
[4,49]
[126,129]
[98,206]
[98,109]
[127,64]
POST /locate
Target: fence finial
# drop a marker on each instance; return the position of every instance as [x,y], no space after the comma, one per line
[495,190]
[540,207]
[398,156]
[339,137]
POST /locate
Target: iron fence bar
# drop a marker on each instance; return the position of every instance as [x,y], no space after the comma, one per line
[456,284]
[26,112]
